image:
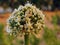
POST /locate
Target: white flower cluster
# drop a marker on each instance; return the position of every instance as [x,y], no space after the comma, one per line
[25,19]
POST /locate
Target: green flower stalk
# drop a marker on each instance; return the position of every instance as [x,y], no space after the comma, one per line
[27,39]
[25,20]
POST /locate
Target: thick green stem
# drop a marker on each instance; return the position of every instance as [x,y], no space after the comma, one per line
[27,39]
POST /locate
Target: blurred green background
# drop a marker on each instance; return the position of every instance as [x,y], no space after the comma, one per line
[51,32]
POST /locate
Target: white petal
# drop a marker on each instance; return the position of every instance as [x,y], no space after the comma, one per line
[8,29]
[15,10]
[20,7]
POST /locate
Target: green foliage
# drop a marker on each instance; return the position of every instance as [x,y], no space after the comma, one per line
[54,20]
[34,40]
[1,34]
[3,38]
[58,19]
[50,37]
[1,26]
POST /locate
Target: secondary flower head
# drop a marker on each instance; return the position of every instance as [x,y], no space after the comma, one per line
[25,19]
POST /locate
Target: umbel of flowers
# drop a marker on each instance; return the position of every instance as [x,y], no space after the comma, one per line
[25,20]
